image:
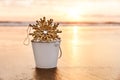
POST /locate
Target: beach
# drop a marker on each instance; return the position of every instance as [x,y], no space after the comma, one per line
[89,53]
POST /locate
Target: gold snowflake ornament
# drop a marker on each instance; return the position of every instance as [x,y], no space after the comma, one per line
[45,31]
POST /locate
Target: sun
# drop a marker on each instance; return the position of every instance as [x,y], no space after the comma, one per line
[74,14]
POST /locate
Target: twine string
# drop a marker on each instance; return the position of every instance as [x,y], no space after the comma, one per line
[27,39]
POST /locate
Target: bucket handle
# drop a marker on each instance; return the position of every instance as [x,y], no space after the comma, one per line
[60,55]
[57,44]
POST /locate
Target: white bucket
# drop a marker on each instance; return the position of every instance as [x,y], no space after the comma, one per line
[46,54]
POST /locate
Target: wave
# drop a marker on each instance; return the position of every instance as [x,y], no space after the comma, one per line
[14,23]
[91,23]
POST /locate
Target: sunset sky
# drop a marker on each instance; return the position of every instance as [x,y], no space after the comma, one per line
[60,10]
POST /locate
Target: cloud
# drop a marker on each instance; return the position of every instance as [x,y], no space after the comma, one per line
[16,2]
[24,2]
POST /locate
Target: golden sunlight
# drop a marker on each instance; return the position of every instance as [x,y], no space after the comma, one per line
[74,14]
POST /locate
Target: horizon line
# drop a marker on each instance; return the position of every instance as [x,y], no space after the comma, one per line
[69,22]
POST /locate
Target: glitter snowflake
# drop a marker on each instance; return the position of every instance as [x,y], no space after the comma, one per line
[45,31]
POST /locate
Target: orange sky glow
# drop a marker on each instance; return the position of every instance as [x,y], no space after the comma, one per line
[60,10]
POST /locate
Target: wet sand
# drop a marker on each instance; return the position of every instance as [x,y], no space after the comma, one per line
[89,53]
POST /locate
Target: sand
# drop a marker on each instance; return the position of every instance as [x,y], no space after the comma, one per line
[89,53]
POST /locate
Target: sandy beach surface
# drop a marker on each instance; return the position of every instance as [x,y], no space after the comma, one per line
[89,53]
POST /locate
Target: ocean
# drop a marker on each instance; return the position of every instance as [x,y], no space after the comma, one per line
[19,23]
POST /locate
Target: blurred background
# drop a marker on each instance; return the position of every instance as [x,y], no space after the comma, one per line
[60,10]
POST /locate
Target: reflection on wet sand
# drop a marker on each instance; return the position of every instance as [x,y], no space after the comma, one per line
[46,74]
